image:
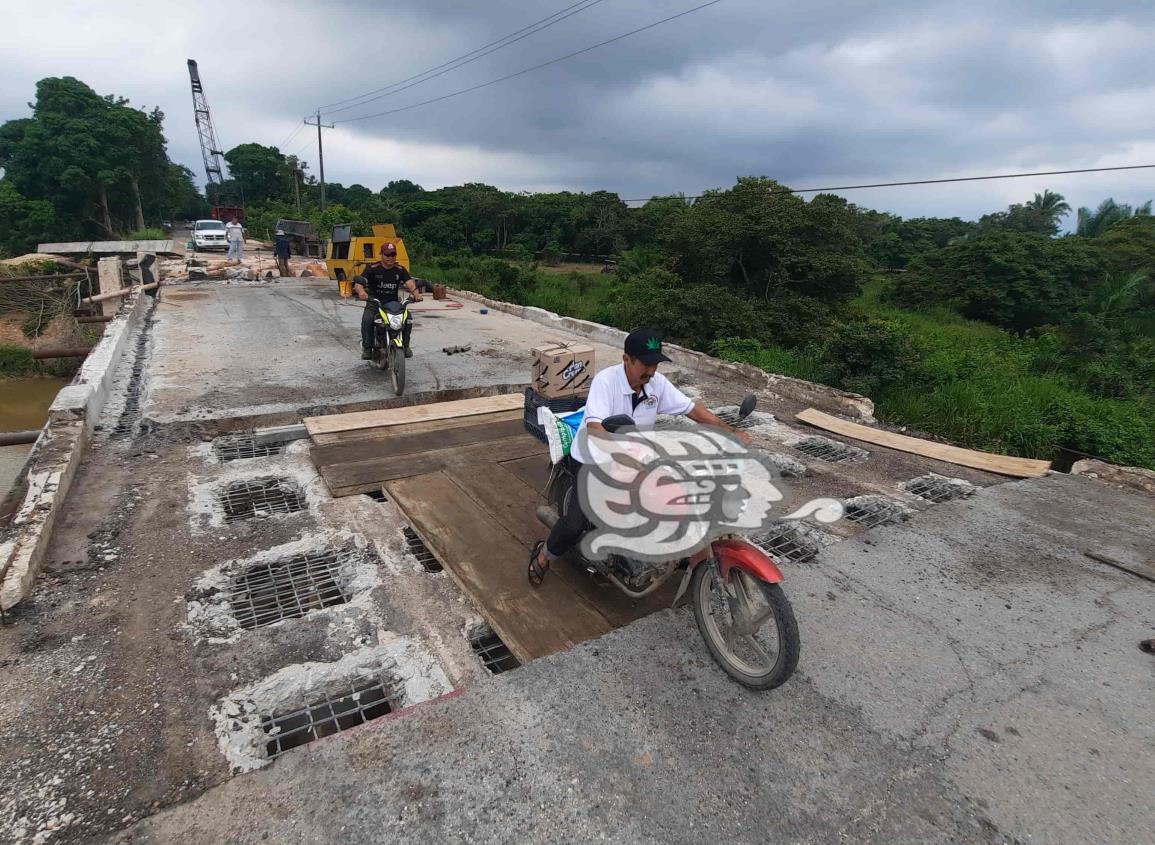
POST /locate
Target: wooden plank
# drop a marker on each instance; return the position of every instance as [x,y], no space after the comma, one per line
[414,413]
[402,442]
[362,476]
[414,428]
[489,564]
[513,506]
[1001,464]
[533,472]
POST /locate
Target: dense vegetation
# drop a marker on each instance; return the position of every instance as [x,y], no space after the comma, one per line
[85,165]
[1000,333]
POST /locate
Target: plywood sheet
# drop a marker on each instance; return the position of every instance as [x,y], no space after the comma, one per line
[347,479]
[404,440]
[414,428]
[1001,464]
[413,413]
[489,564]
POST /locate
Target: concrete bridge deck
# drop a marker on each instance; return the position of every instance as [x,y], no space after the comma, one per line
[964,674]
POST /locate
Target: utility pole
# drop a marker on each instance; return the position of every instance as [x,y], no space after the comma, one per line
[320,150]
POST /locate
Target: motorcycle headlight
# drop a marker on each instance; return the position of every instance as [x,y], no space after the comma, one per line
[395,321]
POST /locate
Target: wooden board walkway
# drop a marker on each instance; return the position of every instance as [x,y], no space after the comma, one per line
[470,487]
[1001,464]
[334,423]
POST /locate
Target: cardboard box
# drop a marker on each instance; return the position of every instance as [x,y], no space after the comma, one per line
[562,369]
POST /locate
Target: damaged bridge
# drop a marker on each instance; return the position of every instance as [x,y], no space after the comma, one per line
[226,627]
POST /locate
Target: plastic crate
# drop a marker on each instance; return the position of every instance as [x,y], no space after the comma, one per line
[534,400]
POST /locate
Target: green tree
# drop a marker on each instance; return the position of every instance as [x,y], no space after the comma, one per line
[261,172]
[97,160]
[769,243]
[1011,279]
[1092,224]
[1051,205]
[23,222]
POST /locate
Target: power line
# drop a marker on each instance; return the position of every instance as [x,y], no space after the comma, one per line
[289,138]
[531,69]
[919,182]
[460,61]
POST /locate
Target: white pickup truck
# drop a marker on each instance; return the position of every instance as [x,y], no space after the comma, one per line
[209,234]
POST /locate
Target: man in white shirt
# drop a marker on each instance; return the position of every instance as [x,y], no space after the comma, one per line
[634,388]
[235,237]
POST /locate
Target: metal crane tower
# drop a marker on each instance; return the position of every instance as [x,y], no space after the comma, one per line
[210,149]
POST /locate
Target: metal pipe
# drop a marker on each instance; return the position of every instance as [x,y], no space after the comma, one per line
[17,438]
[100,297]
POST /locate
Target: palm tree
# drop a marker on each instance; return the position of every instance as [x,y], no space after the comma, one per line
[1051,206]
[1094,223]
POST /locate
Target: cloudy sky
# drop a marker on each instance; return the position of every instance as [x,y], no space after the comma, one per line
[828,92]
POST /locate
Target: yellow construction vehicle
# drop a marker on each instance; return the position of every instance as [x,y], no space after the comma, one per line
[348,256]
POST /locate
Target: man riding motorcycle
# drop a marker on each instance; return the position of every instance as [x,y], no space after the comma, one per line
[633,388]
[383,281]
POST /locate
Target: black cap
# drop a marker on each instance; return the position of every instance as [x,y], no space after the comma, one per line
[646,346]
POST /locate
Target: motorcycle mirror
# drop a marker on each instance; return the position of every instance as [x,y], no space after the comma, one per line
[747,407]
[612,424]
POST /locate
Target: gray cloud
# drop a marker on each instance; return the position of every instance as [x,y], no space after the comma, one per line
[810,94]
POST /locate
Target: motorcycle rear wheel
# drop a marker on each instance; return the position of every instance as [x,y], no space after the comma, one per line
[397,369]
[761,607]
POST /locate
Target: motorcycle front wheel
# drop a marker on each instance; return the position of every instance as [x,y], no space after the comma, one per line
[747,624]
[397,368]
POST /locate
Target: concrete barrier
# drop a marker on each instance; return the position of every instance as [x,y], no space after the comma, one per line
[52,463]
[807,393]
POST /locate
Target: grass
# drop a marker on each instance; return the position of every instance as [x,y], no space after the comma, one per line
[573,293]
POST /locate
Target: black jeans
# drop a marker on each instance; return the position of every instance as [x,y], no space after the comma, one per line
[571,525]
[367,318]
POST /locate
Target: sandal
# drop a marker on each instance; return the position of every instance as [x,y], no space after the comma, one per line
[536,571]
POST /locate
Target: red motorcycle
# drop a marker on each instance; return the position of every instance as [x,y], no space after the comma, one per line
[741,610]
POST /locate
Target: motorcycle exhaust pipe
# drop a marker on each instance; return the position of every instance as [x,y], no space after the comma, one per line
[547,516]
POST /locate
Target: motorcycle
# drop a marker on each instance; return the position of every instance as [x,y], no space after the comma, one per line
[389,353]
[740,608]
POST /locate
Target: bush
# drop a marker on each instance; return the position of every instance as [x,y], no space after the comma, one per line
[16,361]
[867,355]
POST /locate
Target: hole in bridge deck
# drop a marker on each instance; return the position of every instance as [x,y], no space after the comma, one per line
[417,548]
[260,498]
[349,707]
[495,655]
[784,540]
[238,447]
[730,417]
[286,589]
[875,512]
[937,489]
[825,449]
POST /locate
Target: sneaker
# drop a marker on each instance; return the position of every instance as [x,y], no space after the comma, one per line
[366,354]
[408,352]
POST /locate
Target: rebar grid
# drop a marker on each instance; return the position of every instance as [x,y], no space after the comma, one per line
[239,447]
[250,499]
[353,705]
[495,655]
[828,450]
[784,540]
[417,548]
[266,593]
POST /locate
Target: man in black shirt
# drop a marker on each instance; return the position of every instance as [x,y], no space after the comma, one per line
[383,281]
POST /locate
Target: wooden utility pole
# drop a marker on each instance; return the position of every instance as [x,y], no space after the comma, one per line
[320,150]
